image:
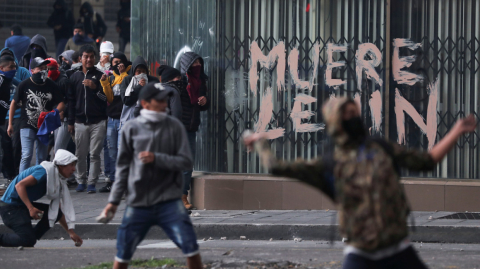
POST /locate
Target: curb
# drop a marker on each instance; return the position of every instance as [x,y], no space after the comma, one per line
[427,234]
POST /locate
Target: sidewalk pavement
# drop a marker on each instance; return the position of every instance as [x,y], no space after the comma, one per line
[261,224]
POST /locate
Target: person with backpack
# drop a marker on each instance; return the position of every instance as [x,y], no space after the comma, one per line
[95,27]
[363,178]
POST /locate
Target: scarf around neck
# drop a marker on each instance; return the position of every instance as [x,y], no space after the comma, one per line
[153,116]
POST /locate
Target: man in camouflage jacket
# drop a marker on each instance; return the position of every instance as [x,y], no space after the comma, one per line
[373,208]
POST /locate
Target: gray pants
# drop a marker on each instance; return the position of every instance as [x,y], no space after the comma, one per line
[89,139]
[62,137]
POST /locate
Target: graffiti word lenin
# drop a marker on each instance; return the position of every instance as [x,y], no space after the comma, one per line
[276,58]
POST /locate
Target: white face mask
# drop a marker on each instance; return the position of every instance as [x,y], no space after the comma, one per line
[142,76]
[153,116]
[44,75]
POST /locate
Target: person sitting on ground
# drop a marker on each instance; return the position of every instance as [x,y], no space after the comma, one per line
[18,206]
[363,178]
[111,87]
[153,153]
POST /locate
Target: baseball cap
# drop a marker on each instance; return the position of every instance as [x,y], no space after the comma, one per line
[38,62]
[106,46]
[155,90]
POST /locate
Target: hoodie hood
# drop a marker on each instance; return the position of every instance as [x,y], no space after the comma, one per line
[332,115]
[37,40]
[137,62]
[88,7]
[67,55]
[188,58]
[8,51]
[60,3]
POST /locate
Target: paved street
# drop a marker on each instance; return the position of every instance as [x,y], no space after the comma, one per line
[52,254]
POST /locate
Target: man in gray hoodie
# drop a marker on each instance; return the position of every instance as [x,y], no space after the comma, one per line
[153,153]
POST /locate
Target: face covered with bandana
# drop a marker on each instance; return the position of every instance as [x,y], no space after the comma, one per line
[352,123]
[8,69]
[53,71]
[40,74]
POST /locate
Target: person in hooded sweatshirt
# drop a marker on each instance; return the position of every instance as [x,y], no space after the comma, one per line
[153,153]
[123,24]
[87,118]
[17,42]
[62,21]
[12,148]
[37,94]
[65,60]
[192,67]
[80,39]
[171,77]
[362,176]
[37,48]
[95,27]
[76,64]
[18,205]
[111,87]
[130,88]
[8,69]
[106,51]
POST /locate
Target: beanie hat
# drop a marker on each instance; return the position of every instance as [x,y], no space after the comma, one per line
[167,73]
[106,46]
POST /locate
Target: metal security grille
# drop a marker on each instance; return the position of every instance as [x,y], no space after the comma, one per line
[299,24]
[223,31]
[28,13]
[475,216]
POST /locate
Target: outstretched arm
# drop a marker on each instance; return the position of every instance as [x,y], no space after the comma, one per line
[465,125]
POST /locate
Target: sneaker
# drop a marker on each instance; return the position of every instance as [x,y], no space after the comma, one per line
[80,188]
[91,189]
[106,188]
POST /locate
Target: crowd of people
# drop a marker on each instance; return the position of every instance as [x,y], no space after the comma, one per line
[88,99]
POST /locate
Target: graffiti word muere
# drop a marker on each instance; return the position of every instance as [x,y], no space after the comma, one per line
[276,59]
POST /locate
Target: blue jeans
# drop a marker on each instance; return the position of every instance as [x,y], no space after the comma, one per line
[171,216]
[17,218]
[187,175]
[28,137]
[113,139]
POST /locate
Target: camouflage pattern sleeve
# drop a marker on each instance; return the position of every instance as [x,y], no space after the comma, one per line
[412,159]
[310,172]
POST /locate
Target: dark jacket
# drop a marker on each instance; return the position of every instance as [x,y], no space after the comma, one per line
[153,183]
[64,84]
[37,40]
[191,112]
[63,17]
[122,14]
[86,105]
[131,101]
[92,21]
[5,85]
[71,71]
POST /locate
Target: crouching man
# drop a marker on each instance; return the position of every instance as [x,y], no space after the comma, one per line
[153,153]
[18,206]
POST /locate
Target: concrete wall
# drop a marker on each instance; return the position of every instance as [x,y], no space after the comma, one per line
[260,192]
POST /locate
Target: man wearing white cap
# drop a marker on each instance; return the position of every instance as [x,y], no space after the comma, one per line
[106,49]
[18,206]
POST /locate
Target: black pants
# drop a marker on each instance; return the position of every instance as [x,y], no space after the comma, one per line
[407,259]
[12,150]
[122,44]
[17,218]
